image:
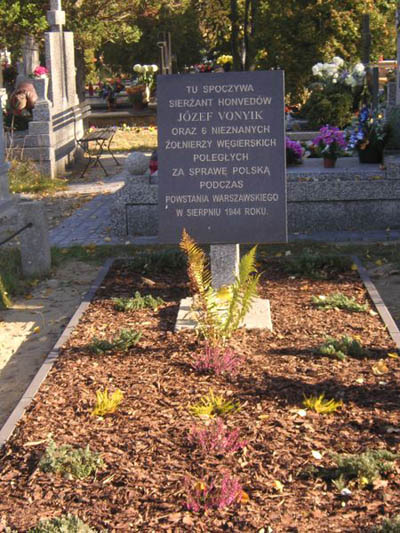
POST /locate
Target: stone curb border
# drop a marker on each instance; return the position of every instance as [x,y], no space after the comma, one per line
[7,430]
[383,311]
[11,423]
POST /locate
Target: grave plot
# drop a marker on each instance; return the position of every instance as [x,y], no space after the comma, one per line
[300,433]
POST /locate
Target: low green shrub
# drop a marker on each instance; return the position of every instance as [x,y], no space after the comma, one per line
[338,301]
[72,463]
[389,525]
[137,302]
[126,339]
[63,524]
[341,348]
[328,106]
[366,467]
[316,265]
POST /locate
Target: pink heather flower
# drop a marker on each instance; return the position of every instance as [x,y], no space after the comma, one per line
[218,360]
[203,496]
[216,439]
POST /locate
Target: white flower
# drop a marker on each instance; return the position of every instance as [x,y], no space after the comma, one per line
[155,68]
[137,68]
[338,61]
[359,69]
[316,69]
[331,69]
[349,80]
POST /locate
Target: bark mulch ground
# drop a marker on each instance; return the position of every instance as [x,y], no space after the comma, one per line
[144,444]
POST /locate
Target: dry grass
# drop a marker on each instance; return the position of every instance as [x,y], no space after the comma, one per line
[135,138]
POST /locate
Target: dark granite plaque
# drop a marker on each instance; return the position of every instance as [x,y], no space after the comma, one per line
[221,157]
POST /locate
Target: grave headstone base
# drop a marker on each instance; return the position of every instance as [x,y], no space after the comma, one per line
[259,316]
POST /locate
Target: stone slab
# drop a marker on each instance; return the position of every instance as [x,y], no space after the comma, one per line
[259,316]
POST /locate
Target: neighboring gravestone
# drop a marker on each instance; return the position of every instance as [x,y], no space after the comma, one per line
[30,54]
[7,211]
[35,245]
[57,118]
[221,155]
[398,55]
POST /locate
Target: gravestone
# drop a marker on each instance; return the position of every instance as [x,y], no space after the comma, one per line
[398,55]
[221,155]
[57,118]
[5,197]
[30,54]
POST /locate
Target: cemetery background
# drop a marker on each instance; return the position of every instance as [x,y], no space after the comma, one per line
[386,269]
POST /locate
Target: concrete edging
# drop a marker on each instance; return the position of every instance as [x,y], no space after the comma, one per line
[12,421]
[8,428]
[383,311]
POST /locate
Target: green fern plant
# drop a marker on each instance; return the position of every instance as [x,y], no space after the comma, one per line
[63,524]
[219,313]
[72,463]
[338,301]
[341,348]
[320,405]
[137,302]
[107,404]
[212,405]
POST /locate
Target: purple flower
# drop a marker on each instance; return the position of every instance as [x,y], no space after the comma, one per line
[330,142]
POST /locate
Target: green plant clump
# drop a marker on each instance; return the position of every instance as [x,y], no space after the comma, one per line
[125,341]
[341,348]
[316,265]
[338,301]
[366,467]
[389,525]
[72,463]
[63,524]
[158,261]
[328,106]
[212,405]
[137,302]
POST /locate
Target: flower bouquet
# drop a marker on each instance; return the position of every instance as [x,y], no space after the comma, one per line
[329,144]
[40,72]
[368,134]
[146,77]
[225,61]
[294,152]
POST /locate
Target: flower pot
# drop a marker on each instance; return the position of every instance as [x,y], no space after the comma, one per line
[371,154]
[329,163]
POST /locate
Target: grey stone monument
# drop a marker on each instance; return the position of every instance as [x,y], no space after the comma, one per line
[35,245]
[6,201]
[30,54]
[57,117]
[398,55]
